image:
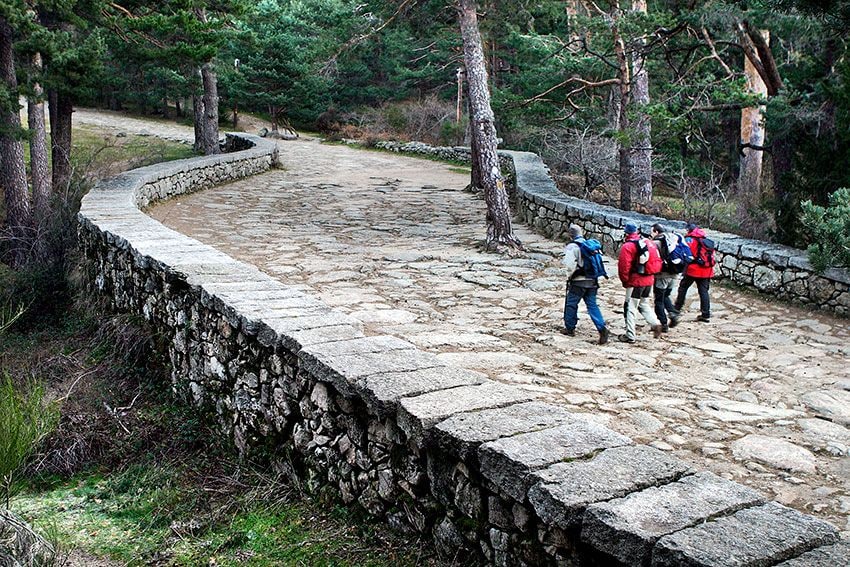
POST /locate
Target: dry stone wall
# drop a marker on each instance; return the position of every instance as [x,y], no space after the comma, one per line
[490,473]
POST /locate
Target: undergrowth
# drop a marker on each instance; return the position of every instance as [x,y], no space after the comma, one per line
[132,475]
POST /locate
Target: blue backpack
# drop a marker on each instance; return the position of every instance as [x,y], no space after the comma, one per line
[591,258]
[677,259]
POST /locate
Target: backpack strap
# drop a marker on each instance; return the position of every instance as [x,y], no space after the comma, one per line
[636,257]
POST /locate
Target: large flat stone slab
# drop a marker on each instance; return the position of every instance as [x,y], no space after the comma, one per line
[565,490]
[417,415]
[273,330]
[757,536]
[462,434]
[296,340]
[382,392]
[836,555]
[831,404]
[627,528]
[509,462]
[774,452]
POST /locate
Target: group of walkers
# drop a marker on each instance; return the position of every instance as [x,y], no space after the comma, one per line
[647,267]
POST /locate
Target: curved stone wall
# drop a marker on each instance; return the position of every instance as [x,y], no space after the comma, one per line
[491,474]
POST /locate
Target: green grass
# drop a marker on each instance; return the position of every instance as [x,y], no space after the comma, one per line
[158,488]
[101,152]
[154,512]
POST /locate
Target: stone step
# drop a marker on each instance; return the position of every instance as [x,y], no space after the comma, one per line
[509,462]
[627,528]
[565,490]
[756,536]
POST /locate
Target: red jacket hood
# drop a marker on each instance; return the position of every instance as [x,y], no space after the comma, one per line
[696,233]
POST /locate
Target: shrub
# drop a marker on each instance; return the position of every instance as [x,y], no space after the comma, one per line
[828,231]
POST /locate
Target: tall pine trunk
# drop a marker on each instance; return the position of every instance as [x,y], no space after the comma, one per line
[641,146]
[198,121]
[210,123]
[623,122]
[485,157]
[39,166]
[13,173]
[752,131]
[61,109]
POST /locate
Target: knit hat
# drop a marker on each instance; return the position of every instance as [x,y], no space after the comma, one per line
[630,228]
[691,226]
[575,231]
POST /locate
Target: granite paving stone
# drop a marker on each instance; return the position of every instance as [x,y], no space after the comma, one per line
[418,414]
[836,555]
[565,490]
[462,434]
[627,528]
[509,462]
[757,536]
[383,391]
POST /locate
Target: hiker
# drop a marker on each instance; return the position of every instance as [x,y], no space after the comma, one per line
[700,271]
[583,262]
[676,256]
[638,263]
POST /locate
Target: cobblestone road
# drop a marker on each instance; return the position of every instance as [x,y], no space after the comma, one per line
[760,395]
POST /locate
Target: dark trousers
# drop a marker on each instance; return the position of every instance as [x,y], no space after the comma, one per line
[702,288]
[663,304]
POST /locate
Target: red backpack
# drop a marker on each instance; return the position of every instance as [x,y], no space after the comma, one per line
[647,257]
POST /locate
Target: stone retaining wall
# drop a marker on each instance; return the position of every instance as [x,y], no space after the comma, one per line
[491,474]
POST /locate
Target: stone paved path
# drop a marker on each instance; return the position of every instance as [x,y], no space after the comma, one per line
[760,395]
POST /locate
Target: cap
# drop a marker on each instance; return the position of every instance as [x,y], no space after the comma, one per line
[630,228]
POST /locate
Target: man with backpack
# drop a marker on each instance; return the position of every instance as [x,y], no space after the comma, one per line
[637,265]
[583,262]
[700,271]
[676,256]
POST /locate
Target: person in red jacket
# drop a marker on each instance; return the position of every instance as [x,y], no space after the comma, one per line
[700,271]
[638,283]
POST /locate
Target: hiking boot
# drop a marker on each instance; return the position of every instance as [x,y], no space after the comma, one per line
[568,332]
[703,319]
[625,339]
[665,328]
[674,320]
[657,330]
[603,335]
